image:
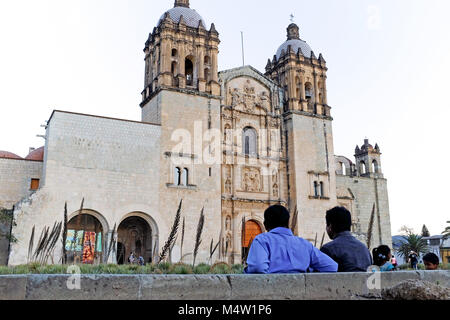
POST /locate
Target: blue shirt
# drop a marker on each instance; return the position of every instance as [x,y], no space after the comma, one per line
[350,253]
[279,251]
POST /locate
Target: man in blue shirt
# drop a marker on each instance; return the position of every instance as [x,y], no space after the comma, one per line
[350,253]
[279,251]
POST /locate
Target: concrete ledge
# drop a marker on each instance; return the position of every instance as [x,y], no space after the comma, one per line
[343,286]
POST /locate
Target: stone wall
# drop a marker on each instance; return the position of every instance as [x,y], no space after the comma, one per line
[113,164]
[344,286]
[311,159]
[15,180]
[367,192]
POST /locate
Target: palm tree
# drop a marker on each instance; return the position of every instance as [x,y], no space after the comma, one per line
[446,232]
[413,242]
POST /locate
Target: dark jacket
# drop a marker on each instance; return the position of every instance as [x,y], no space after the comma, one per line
[350,254]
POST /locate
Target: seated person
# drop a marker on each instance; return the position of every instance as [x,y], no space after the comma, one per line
[350,253]
[382,258]
[431,261]
[279,251]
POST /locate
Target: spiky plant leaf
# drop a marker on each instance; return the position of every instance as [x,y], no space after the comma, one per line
[369,231]
[172,234]
[198,238]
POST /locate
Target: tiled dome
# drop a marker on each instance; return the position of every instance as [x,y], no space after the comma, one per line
[36,155]
[190,16]
[295,44]
[9,155]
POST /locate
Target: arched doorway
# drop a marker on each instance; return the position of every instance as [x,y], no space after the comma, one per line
[85,241]
[250,231]
[189,71]
[134,236]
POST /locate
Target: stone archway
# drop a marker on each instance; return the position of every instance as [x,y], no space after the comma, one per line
[136,235]
[85,241]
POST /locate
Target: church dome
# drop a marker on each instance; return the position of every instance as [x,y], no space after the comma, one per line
[9,155]
[36,155]
[295,42]
[190,16]
[295,45]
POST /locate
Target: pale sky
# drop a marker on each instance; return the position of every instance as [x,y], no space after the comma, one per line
[387,80]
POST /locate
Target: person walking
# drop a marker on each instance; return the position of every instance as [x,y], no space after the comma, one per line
[413,259]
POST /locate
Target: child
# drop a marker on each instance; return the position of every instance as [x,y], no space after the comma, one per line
[431,261]
[382,258]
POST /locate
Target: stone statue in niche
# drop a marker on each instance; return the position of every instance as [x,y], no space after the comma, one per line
[228,223]
[228,244]
[228,186]
[252,180]
[276,191]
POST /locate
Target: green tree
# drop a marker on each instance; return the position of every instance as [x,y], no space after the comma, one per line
[6,218]
[412,242]
[446,232]
[425,232]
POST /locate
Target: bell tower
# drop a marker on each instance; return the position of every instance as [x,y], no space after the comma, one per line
[182,96]
[181,53]
[308,131]
[303,76]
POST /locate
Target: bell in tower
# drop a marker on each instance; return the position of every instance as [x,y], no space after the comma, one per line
[181,54]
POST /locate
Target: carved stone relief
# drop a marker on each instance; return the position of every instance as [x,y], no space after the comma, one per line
[247,98]
[251,179]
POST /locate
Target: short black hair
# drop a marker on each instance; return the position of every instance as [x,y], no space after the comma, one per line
[431,257]
[276,217]
[340,219]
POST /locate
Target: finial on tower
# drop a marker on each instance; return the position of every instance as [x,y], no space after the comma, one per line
[182,3]
[293,32]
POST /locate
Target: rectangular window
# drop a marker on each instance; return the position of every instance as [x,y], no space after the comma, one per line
[210,172]
[34,184]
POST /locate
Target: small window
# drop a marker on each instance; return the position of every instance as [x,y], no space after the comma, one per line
[362,168]
[210,172]
[185,177]
[308,91]
[316,189]
[177,177]
[34,184]
[174,52]
[343,170]
[250,142]
[189,71]
[375,167]
[322,190]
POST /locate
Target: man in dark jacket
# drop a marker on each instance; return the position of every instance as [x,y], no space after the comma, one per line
[350,254]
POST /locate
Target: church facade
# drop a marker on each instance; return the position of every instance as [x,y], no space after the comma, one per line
[227,143]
